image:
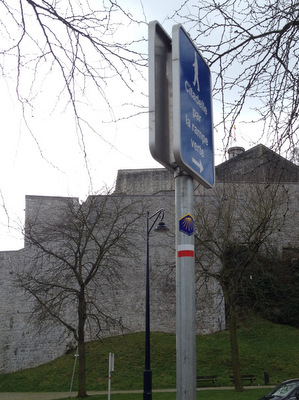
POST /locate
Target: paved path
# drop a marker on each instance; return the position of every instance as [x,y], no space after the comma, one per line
[33,396]
[61,395]
[38,396]
[48,395]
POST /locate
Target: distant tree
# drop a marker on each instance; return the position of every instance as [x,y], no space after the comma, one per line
[252,48]
[234,224]
[75,257]
[271,287]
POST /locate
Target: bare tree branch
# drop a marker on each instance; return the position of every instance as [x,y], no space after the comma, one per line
[252,48]
[78,49]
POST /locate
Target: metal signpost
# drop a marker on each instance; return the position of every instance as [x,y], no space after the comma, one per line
[181,139]
[193,149]
[185,288]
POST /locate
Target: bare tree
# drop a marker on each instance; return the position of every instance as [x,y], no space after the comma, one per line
[70,55]
[234,224]
[75,258]
[252,48]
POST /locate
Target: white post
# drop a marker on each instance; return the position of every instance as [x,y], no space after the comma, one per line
[110,369]
[72,380]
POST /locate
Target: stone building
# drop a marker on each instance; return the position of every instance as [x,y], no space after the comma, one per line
[23,346]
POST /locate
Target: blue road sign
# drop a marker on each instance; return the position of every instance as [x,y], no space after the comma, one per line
[193,144]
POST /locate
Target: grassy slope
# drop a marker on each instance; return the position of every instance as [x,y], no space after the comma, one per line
[252,394]
[263,346]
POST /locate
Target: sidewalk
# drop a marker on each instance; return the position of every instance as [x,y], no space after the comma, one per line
[48,395]
[34,396]
[39,396]
[60,395]
[44,395]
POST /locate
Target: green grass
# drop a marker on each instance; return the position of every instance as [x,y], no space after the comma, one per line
[252,394]
[263,346]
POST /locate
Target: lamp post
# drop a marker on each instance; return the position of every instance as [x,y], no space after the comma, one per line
[147,375]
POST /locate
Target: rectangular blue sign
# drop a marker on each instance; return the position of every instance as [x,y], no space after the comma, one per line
[192,106]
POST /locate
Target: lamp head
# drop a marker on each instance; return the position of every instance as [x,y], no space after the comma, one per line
[161,227]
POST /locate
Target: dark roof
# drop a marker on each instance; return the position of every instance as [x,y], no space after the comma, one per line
[258,164]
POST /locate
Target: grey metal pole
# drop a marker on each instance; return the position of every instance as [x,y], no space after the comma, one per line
[185,291]
[147,375]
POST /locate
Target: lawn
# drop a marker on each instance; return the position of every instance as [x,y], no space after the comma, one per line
[251,394]
[263,346]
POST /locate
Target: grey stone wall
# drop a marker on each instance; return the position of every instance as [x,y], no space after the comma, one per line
[22,345]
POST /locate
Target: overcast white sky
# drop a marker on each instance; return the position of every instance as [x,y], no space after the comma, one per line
[55,167]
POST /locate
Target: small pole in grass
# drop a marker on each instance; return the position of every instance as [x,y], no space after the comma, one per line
[72,380]
[110,369]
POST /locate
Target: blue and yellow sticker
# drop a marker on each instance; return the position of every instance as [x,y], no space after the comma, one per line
[186,224]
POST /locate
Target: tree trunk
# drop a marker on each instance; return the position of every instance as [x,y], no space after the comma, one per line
[81,346]
[235,350]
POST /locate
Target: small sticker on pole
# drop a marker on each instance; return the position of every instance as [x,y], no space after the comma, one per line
[185,250]
[186,224]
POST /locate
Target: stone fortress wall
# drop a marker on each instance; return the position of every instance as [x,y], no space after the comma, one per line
[23,346]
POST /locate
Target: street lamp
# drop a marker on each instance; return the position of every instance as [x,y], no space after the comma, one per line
[147,375]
